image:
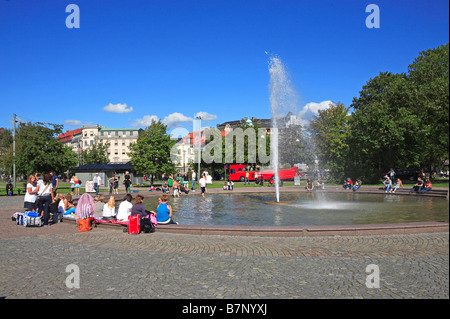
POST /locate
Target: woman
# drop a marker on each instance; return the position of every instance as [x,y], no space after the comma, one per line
[77,185]
[397,185]
[45,195]
[109,210]
[138,207]
[66,205]
[116,184]
[164,211]
[72,185]
[30,195]
[170,182]
[99,203]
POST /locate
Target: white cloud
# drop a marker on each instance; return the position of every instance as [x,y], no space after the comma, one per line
[206,116]
[176,118]
[145,121]
[312,109]
[73,122]
[118,108]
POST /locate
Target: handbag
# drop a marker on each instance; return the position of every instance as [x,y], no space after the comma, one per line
[40,196]
[85,224]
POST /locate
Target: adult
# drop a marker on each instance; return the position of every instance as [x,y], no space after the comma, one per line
[202,183]
[99,203]
[30,195]
[9,188]
[387,184]
[418,186]
[398,184]
[45,197]
[85,207]
[77,184]
[55,182]
[193,176]
[170,182]
[66,205]
[309,184]
[72,184]
[391,174]
[116,184]
[97,183]
[109,209]
[164,211]
[127,182]
[138,207]
[247,178]
[165,188]
[125,208]
[320,184]
[427,187]
[186,180]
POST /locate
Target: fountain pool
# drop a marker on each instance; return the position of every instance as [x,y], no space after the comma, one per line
[305,209]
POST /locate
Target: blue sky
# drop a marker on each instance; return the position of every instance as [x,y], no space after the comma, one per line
[131,61]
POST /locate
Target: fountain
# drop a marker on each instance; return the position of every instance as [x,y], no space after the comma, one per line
[282,100]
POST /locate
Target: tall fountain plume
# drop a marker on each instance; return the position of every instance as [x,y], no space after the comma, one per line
[282,100]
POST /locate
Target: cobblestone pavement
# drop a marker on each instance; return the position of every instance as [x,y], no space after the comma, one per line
[113,264]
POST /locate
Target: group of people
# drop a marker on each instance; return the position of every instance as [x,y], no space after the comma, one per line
[310,184]
[348,184]
[41,195]
[107,211]
[180,184]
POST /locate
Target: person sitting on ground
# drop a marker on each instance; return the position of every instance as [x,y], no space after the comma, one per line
[348,183]
[138,207]
[309,184]
[230,185]
[54,208]
[165,188]
[66,205]
[427,187]
[387,184]
[319,185]
[418,186]
[109,209]
[357,185]
[125,208]
[164,211]
[398,184]
[225,186]
[99,202]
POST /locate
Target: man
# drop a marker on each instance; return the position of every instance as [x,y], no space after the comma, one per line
[419,185]
[247,178]
[55,182]
[97,183]
[127,182]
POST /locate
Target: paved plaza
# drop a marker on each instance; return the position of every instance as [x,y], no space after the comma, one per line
[113,264]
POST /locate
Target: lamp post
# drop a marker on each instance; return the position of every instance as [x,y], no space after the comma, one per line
[199,144]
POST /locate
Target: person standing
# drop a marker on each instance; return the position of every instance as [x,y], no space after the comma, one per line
[202,183]
[30,195]
[193,180]
[97,183]
[55,182]
[45,194]
[127,182]
[186,180]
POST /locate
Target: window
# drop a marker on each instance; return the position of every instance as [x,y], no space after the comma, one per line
[102,133]
[117,133]
[123,143]
[131,133]
[91,142]
[116,143]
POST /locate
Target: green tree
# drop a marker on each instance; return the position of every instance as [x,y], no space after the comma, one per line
[329,131]
[38,150]
[96,153]
[150,154]
[293,146]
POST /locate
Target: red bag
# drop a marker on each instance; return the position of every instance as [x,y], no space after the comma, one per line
[85,224]
[134,224]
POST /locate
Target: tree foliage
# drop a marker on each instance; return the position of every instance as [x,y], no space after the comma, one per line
[150,154]
[96,153]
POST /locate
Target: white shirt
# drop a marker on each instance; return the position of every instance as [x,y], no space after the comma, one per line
[124,210]
[97,180]
[202,182]
[42,187]
[109,212]
[30,197]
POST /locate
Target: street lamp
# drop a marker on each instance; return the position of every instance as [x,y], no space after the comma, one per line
[199,143]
